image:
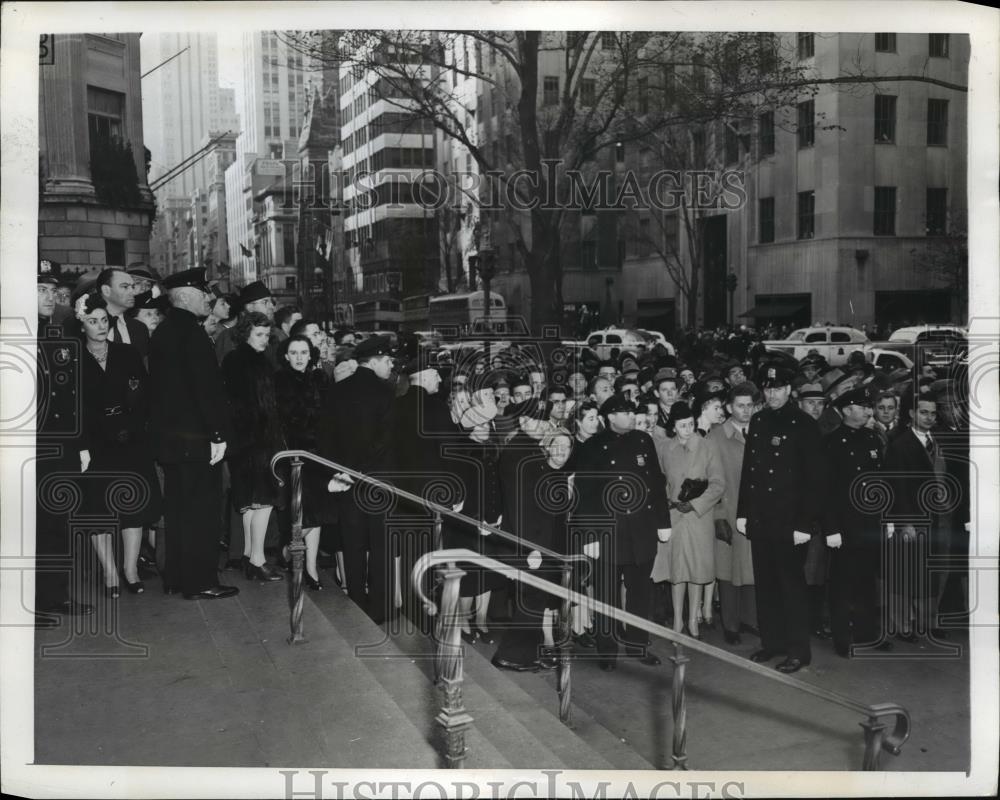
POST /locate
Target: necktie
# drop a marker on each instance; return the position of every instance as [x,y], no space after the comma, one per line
[112,328]
[930,447]
[117,330]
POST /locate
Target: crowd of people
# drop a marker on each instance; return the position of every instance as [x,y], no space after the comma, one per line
[714,487]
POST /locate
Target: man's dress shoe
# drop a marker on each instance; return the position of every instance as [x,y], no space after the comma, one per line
[213,593]
[790,665]
[763,655]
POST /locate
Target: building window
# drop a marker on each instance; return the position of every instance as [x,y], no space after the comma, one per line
[698,147]
[884,223]
[643,243]
[669,82]
[588,91]
[671,235]
[114,252]
[937,212]
[885,118]
[937,45]
[731,143]
[807,124]
[609,40]
[807,215]
[620,153]
[105,111]
[290,283]
[288,244]
[588,254]
[807,45]
[765,133]
[765,220]
[550,90]
[885,43]
[643,87]
[937,122]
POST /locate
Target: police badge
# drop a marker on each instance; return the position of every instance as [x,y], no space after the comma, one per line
[873,454]
[133,384]
[640,460]
[775,441]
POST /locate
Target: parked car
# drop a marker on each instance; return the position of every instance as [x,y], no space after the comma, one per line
[655,337]
[612,342]
[834,342]
[928,345]
[888,360]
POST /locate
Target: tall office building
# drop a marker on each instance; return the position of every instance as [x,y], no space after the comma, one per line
[271,106]
[181,102]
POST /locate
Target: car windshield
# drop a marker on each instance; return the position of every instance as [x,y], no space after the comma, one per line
[797,336]
[903,336]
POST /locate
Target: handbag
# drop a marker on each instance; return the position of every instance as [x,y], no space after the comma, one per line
[692,489]
[723,531]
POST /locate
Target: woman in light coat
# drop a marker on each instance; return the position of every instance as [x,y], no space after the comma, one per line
[691,545]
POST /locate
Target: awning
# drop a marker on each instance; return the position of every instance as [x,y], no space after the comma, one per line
[788,308]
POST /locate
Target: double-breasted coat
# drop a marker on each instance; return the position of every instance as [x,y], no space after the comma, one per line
[733,562]
[690,553]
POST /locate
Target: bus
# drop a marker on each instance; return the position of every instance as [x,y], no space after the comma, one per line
[416,313]
[464,314]
[377,315]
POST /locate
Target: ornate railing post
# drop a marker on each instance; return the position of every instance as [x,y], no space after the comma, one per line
[297,549]
[679,707]
[563,677]
[874,735]
[453,718]
[438,535]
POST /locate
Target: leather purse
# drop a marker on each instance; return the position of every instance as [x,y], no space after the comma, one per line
[691,489]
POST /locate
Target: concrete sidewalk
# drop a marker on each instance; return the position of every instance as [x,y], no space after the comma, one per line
[159,680]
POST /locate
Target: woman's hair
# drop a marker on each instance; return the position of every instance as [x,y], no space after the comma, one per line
[579,412]
[678,411]
[88,303]
[249,321]
[283,351]
[700,401]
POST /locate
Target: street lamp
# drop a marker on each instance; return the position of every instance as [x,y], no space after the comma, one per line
[485,264]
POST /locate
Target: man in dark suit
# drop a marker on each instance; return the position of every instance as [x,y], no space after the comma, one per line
[853,534]
[781,497]
[356,432]
[189,422]
[915,462]
[58,429]
[117,288]
[640,514]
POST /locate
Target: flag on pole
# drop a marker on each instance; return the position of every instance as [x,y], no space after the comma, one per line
[247,253]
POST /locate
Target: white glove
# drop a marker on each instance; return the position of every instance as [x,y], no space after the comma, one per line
[458,506]
[968,527]
[890,529]
[663,534]
[800,538]
[218,453]
[741,525]
[834,540]
[339,483]
[592,550]
[534,559]
[84,460]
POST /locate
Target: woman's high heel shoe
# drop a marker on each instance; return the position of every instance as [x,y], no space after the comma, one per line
[135,588]
[113,592]
[311,582]
[265,573]
[247,567]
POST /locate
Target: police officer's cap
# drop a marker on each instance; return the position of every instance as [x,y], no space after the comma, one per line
[189,277]
[857,396]
[253,292]
[372,347]
[49,271]
[775,376]
[616,403]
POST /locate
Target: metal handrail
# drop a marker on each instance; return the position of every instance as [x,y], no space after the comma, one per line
[429,504]
[454,718]
[876,736]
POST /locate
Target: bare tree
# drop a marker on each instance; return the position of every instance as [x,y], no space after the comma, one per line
[610,89]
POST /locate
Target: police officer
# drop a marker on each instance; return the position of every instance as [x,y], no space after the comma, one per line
[58,446]
[853,536]
[189,423]
[781,489]
[356,431]
[636,499]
